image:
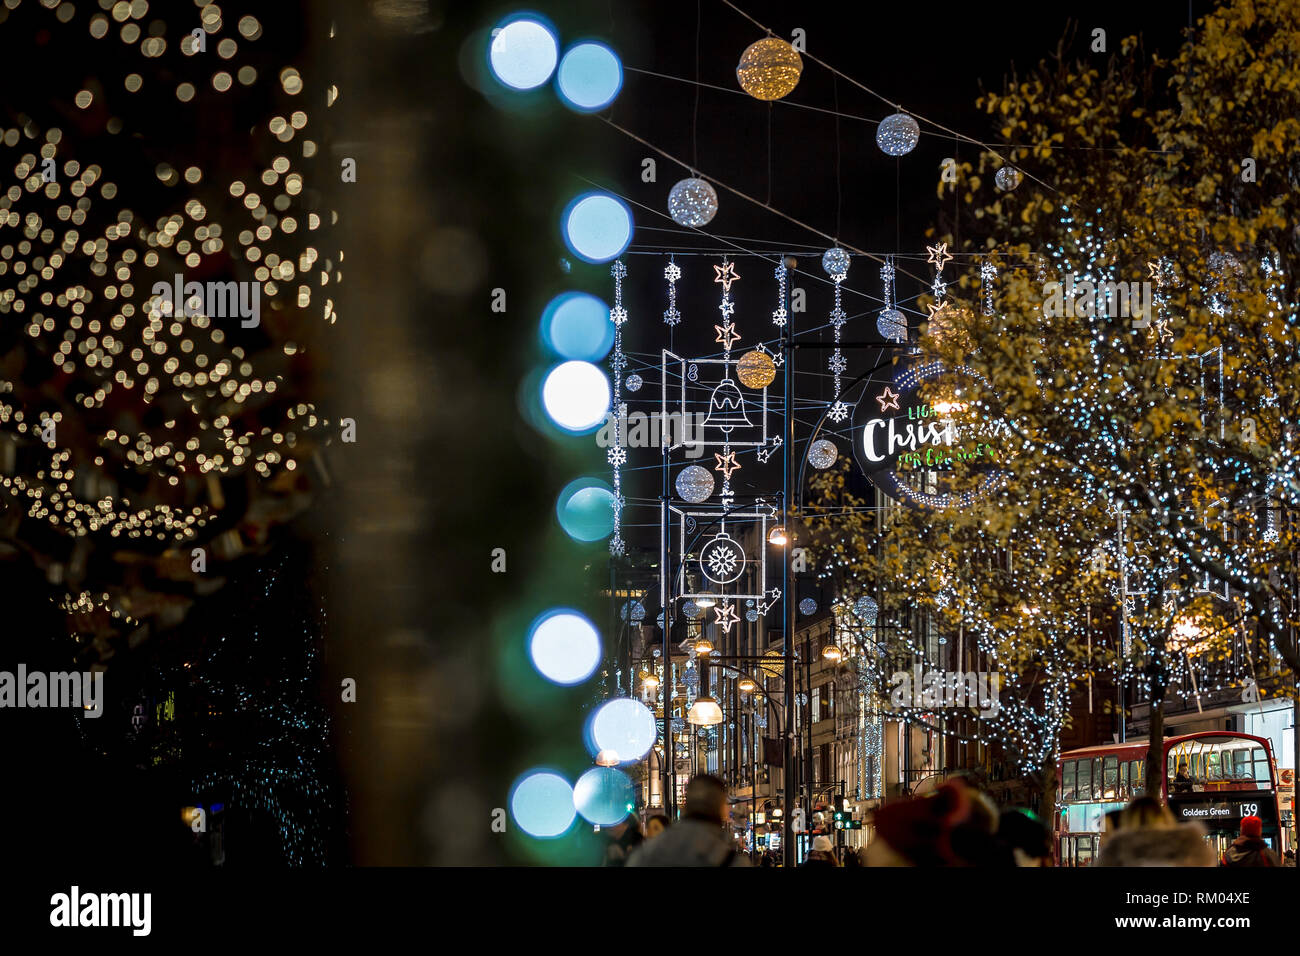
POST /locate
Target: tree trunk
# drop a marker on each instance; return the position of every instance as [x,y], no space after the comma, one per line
[1155,766]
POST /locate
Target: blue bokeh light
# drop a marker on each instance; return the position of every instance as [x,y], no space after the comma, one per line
[623,726]
[523,51]
[564,646]
[576,325]
[602,795]
[585,509]
[597,227]
[576,396]
[542,804]
[589,77]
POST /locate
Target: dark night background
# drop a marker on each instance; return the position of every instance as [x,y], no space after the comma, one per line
[386,577]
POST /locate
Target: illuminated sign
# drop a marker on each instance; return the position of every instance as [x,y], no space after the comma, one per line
[927,453]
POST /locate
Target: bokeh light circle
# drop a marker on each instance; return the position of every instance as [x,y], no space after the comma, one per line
[625,726]
[602,795]
[585,509]
[590,76]
[576,325]
[523,52]
[542,804]
[576,396]
[564,646]
[597,227]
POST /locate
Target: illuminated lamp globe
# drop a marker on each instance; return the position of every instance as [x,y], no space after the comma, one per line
[822,453]
[897,134]
[703,646]
[778,537]
[607,758]
[769,69]
[650,680]
[706,600]
[705,712]
[756,370]
[692,203]
[832,653]
[746,685]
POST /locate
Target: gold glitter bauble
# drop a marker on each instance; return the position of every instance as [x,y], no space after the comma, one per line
[769,69]
[773,664]
[756,370]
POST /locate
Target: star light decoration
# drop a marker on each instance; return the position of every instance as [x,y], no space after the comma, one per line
[726,464]
[726,616]
[888,399]
[153,393]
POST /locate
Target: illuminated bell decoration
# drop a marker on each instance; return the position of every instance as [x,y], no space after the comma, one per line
[822,453]
[835,263]
[892,325]
[756,370]
[727,407]
[897,134]
[769,69]
[832,653]
[694,483]
[692,202]
[1007,178]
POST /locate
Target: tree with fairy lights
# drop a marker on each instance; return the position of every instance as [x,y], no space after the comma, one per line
[1139,349]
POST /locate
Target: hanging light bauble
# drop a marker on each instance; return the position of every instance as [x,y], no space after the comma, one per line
[835,263]
[692,202]
[865,608]
[694,483]
[769,69]
[1007,178]
[756,370]
[633,383]
[832,653]
[892,325]
[807,606]
[822,453]
[897,134]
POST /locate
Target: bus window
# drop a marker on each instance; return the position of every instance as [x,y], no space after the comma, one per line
[1263,776]
[1084,788]
[1136,769]
[1124,791]
[1109,777]
[1067,780]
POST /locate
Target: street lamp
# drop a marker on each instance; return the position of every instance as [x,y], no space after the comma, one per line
[746,685]
[705,712]
[778,537]
[832,653]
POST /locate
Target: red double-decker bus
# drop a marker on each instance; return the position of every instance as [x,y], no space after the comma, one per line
[1214,777]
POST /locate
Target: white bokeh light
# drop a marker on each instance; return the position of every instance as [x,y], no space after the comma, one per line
[565,647]
[576,396]
[625,726]
[523,54]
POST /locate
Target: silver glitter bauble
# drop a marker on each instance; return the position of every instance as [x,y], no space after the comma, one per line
[1007,178]
[751,615]
[692,202]
[822,453]
[691,610]
[634,383]
[835,262]
[897,134]
[694,483]
[865,608]
[892,325]
[807,606]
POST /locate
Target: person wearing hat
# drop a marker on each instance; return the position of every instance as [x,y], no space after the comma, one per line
[1249,849]
[823,853]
